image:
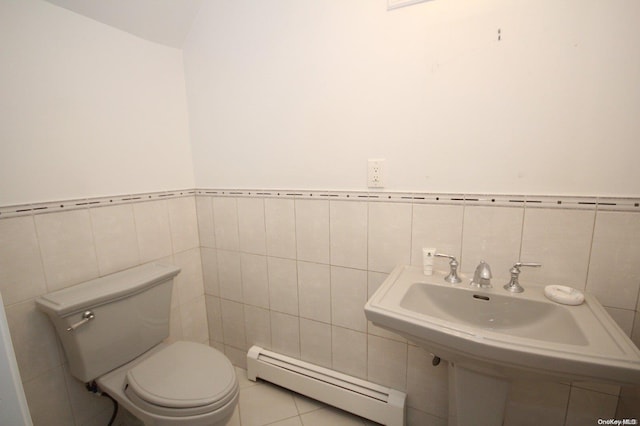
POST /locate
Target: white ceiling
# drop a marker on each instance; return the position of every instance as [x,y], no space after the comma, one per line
[162,21]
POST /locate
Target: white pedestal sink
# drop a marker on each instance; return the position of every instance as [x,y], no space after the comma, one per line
[486,404]
[491,336]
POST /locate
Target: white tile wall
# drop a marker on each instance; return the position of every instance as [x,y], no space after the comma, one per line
[613,269]
[193,319]
[114,232]
[21,271]
[50,251]
[175,324]
[87,408]
[214,319]
[206,232]
[349,351]
[34,340]
[438,226]
[325,257]
[292,274]
[285,334]
[225,216]
[283,285]
[348,233]
[623,317]
[561,241]
[387,362]
[230,275]
[492,234]
[315,342]
[635,334]
[314,287]
[533,404]
[183,223]
[152,230]
[427,386]
[584,406]
[389,241]
[255,280]
[252,229]
[209,260]
[67,248]
[628,402]
[258,326]
[348,296]
[233,327]
[188,283]
[280,223]
[48,399]
[312,230]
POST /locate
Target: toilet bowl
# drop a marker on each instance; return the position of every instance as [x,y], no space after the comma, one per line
[113,330]
[182,383]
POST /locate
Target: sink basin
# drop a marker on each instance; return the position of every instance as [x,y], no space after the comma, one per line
[491,336]
[504,334]
[500,313]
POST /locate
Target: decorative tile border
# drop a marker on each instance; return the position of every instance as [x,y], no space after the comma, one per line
[497,200]
[627,204]
[85,203]
[619,204]
[562,202]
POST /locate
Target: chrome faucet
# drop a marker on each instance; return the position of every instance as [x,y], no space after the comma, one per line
[482,276]
[513,285]
[453,277]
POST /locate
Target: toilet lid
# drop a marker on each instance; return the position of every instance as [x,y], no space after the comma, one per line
[183,375]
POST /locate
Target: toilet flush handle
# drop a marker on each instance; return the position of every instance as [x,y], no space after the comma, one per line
[86,317]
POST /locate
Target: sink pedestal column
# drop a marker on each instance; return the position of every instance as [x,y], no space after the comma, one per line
[475,398]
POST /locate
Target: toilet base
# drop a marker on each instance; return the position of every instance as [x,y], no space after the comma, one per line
[113,384]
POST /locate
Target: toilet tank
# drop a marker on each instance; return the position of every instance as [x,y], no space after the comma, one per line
[130,310]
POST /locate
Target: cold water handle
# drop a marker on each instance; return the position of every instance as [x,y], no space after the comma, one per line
[514,285]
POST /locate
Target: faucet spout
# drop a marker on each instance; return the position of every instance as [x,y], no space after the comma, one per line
[482,276]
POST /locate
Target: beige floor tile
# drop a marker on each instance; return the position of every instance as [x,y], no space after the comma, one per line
[330,416]
[264,404]
[306,405]
[243,381]
[293,421]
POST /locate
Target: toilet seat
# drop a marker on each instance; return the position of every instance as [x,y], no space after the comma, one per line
[182,379]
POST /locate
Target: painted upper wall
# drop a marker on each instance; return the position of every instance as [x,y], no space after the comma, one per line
[299,94]
[162,21]
[86,109]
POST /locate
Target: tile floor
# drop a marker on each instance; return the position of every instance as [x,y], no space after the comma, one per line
[263,403]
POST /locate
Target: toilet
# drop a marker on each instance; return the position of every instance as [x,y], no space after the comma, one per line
[113,330]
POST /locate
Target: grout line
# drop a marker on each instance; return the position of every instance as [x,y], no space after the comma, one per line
[295,238]
[524,220]
[40,254]
[93,242]
[462,225]
[366,331]
[566,408]
[593,237]
[330,295]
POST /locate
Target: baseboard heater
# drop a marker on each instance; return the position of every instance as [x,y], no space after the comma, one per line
[369,400]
